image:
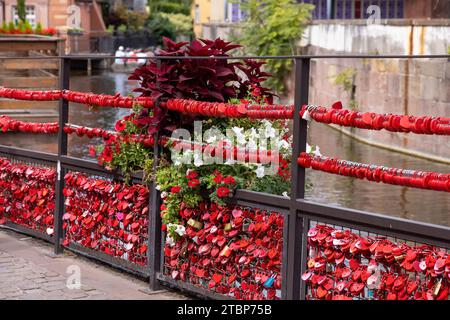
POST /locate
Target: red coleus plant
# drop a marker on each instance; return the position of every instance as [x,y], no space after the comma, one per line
[213,80]
[200,79]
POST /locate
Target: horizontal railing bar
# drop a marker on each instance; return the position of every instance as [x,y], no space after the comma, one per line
[27,231]
[256,205]
[32,155]
[184,286]
[115,262]
[378,231]
[92,167]
[375,221]
[77,163]
[342,56]
[263,198]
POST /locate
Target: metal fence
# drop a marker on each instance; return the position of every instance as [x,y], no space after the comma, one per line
[299,214]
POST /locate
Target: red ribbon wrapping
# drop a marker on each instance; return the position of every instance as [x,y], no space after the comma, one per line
[375,121]
[400,177]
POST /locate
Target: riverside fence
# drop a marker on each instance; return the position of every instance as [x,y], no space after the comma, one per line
[316,251]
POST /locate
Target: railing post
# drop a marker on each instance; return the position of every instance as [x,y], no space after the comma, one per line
[64,76]
[297,225]
[154,228]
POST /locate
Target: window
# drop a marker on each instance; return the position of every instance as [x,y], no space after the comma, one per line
[197,14]
[30,15]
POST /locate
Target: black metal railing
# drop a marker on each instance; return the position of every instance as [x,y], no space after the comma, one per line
[298,212]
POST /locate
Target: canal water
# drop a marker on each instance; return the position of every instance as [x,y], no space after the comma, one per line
[409,203]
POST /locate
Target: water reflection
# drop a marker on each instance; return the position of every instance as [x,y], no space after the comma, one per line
[409,203]
[108,83]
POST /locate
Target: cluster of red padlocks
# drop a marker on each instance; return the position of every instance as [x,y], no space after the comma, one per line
[92,99]
[231,251]
[8,124]
[107,216]
[345,266]
[89,132]
[27,195]
[374,121]
[146,140]
[400,177]
[104,100]
[219,109]
[31,95]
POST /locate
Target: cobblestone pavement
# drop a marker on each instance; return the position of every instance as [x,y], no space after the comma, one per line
[29,271]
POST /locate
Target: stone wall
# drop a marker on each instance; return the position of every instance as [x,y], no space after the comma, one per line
[413,87]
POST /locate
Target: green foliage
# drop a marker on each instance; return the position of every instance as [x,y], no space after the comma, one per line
[130,157]
[182,23]
[271,184]
[21,26]
[38,29]
[21,12]
[11,26]
[273,28]
[161,27]
[131,19]
[122,28]
[170,6]
[110,29]
[28,26]
[170,18]
[4,26]
[346,80]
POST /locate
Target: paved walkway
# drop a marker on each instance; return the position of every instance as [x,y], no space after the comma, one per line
[28,270]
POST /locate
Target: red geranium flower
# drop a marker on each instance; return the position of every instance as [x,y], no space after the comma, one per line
[120,126]
[107,155]
[218,178]
[229,180]
[175,189]
[192,175]
[223,192]
[92,151]
[193,183]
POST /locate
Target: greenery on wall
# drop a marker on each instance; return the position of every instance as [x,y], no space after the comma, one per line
[21,11]
[170,18]
[346,80]
[274,28]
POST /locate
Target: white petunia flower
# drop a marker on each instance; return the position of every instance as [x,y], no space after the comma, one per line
[163,194]
[252,145]
[270,132]
[237,131]
[198,160]
[253,133]
[285,194]
[158,187]
[170,241]
[260,172]
[308,148]
[181,230]
[317,152]
[283,144]
[211,139]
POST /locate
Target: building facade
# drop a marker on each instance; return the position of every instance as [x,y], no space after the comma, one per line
[220,14]
[60,15]
[388,9]
[215,12]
